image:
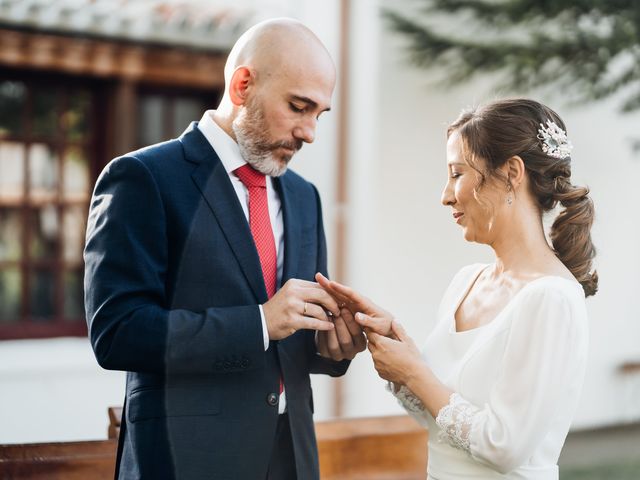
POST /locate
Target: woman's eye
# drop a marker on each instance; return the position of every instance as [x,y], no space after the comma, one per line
[295,109]
[455,174]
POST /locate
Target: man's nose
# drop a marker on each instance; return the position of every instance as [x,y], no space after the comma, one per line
[306,130]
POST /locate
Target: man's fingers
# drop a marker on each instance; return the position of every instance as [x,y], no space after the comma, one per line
[344,335]
[355,331]
[312,310]
[322,344]
[320,297]
[350,322]
[333,345]
[308,323]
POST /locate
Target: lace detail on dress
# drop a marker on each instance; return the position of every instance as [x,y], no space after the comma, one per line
[407,399]
[455,420]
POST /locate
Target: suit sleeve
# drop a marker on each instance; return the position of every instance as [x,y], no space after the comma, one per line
[126,258]
[318,363]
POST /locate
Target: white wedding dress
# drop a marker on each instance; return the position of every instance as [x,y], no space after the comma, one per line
[517,381]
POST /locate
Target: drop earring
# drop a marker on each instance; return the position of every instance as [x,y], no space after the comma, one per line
[509,194]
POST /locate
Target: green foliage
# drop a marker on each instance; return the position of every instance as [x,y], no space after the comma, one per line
[588,48]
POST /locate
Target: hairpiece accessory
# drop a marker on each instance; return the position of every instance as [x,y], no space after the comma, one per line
[554,140]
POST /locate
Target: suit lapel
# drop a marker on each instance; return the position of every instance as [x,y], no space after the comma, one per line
[291,216]
[213,182]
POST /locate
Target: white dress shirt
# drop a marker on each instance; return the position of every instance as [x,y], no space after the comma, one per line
[231,158]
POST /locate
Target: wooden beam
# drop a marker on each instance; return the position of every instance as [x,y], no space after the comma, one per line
[341,237]
[159,65]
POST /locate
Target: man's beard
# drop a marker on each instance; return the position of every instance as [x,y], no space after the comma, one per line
[257,149]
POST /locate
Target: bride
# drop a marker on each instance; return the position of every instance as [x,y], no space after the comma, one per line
[499,378]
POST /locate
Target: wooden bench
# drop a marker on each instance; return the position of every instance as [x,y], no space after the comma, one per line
[390,448]
[381,448]
[58,461]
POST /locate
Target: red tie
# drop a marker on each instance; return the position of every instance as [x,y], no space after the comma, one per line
[260,224]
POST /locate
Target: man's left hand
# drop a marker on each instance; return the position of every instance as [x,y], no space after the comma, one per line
[345,341]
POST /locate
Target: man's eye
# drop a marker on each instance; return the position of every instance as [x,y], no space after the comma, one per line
[295,109]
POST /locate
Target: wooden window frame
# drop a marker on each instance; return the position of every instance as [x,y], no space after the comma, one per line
[28,326]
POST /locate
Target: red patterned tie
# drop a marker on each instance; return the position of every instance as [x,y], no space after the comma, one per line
[260,224]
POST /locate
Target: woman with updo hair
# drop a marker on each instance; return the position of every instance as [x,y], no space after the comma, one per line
[498,380]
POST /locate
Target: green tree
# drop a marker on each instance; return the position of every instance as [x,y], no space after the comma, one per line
[588,49]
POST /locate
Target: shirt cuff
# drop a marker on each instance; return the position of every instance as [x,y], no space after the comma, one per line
[265,332]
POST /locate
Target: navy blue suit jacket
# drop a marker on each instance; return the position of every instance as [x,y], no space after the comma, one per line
[172,287]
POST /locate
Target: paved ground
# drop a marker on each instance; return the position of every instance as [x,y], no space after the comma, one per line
[610,445]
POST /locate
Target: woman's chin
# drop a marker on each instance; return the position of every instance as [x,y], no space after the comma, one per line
[470,236]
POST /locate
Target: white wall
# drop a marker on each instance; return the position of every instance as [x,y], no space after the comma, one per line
[53,390]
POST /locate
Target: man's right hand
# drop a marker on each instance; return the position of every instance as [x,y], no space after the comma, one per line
[298,305]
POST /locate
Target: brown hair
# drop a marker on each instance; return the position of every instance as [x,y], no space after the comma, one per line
[503,129]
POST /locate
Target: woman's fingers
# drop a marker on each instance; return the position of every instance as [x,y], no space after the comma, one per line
[347,294]
[325,283]
[377,325]
[398,330]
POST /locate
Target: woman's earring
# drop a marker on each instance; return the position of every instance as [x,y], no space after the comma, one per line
[509,195]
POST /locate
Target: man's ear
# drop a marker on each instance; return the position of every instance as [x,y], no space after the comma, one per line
[515,171]
[241,81]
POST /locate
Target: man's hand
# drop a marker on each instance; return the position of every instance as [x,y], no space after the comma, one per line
[299,304]
[344,341]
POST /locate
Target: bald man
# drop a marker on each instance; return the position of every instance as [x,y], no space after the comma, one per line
[200,259]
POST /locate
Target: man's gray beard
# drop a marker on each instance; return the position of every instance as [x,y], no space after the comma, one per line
[250,132]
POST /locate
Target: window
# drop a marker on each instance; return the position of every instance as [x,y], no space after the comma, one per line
[165,114]
[56,134]
[47,161]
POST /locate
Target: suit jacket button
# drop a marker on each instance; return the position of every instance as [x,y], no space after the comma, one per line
[272,399]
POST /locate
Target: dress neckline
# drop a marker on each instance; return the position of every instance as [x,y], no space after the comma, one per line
[452,326]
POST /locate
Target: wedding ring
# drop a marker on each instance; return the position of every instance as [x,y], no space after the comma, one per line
[304,312]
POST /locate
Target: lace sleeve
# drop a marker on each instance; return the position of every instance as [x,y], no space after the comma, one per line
[455,420]
[407,399]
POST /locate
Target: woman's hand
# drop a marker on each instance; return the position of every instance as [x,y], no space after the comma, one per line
[395,360]
[369,315]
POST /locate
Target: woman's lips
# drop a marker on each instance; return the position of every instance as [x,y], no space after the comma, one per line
[457,216]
